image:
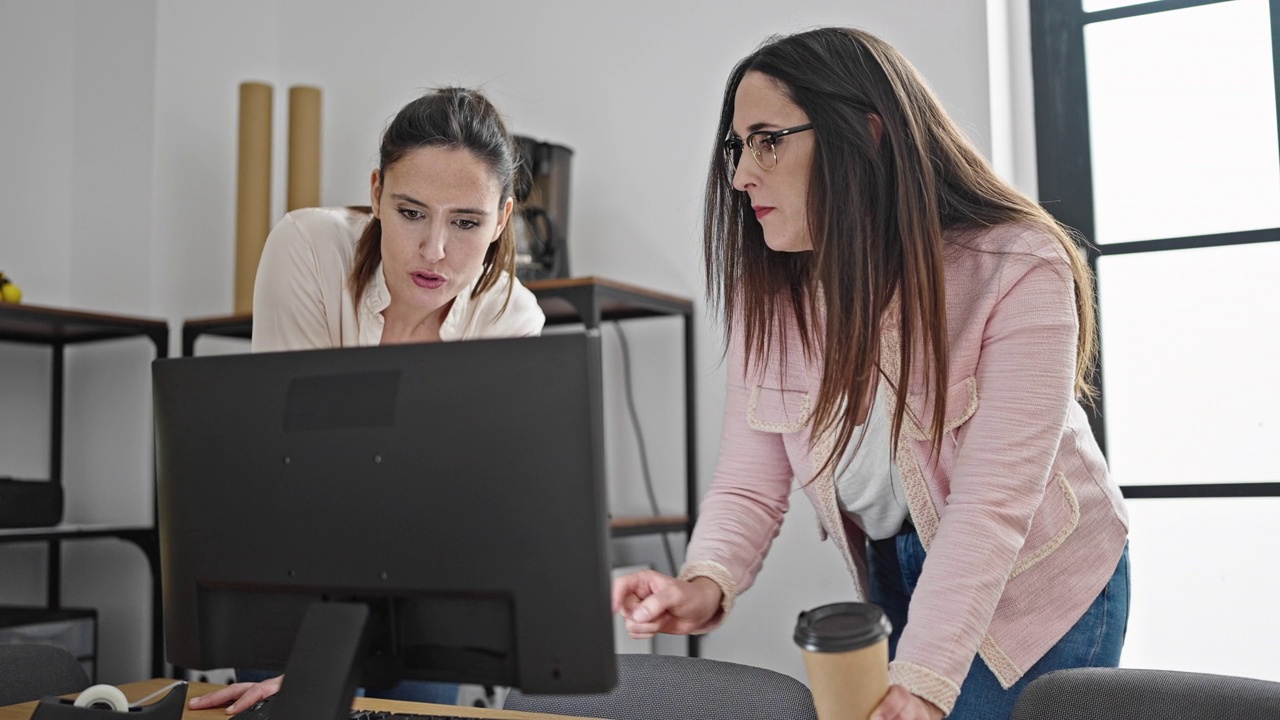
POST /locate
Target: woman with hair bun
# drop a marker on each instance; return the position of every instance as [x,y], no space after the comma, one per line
[432,258]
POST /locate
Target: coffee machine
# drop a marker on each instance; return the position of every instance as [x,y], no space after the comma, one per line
[541,218]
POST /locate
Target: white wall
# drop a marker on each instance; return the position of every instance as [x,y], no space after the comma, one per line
[35,155]
[76,138]
[204,50]
[35,150]
[35,159]
[1013,92]
[633,89]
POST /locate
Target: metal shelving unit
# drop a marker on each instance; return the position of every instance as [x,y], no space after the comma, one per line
[57,328]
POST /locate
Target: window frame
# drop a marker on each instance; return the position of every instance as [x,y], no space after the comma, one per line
[1065,176]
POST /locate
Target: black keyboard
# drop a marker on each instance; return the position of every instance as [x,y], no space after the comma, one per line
[262,711]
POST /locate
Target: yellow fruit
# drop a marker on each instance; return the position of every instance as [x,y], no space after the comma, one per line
[10,293]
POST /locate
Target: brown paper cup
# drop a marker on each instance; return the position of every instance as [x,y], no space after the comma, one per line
[846,656]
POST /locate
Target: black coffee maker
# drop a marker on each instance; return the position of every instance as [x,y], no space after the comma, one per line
[541,219]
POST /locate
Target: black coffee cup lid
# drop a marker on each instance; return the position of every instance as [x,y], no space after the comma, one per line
[841,627]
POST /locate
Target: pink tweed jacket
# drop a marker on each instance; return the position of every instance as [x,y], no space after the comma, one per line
[1022,524]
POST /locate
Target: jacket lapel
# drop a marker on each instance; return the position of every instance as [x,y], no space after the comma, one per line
[923,514]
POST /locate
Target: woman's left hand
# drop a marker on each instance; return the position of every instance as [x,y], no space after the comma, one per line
[899,704]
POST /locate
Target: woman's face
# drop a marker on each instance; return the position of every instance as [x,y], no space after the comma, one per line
[440,209]
[779,196]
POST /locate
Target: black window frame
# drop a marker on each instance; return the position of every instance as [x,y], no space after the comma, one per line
[1065,176]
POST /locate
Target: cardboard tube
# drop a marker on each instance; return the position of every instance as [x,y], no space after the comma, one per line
[304,147]
[253,188]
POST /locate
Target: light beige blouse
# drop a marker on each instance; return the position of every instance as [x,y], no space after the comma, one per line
[302,298]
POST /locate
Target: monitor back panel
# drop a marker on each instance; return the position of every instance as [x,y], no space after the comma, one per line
[471,471]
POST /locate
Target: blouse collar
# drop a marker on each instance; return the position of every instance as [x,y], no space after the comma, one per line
[377,298]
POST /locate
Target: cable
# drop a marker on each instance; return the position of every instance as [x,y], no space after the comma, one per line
[644,455]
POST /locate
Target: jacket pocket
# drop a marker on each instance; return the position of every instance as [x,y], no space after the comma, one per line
[1054,521]
[962,403]
[777,410]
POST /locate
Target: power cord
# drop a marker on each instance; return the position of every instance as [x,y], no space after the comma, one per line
[644,455]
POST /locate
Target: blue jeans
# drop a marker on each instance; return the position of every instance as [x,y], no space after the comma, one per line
[410,690]
[1094,641]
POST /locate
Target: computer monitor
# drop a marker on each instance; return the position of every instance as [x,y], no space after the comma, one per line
[453,492]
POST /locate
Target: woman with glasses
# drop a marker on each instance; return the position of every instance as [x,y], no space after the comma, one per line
[909,339]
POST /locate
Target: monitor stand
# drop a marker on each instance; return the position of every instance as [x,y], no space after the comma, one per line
[325,664]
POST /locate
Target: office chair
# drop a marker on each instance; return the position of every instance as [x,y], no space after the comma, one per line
[666,686]
[1128,694]
[30,672]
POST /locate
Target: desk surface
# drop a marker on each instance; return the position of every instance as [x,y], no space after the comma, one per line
[137,690]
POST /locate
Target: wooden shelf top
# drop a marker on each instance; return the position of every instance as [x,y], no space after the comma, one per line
[590,300]
[606,284]
[647,525]
[238,326]
[51,325]
[620,526]
[70,531]
[616,301]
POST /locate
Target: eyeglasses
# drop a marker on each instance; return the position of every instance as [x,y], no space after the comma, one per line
[763,145]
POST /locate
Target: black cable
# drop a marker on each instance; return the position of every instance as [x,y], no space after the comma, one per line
[644,455]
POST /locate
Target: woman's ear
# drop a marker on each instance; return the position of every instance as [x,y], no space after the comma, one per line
[504,216]
[375,192]
[876,125]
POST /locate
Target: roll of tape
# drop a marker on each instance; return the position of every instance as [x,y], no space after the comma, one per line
[106,697]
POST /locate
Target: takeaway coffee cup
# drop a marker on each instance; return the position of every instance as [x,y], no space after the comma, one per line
[846,655]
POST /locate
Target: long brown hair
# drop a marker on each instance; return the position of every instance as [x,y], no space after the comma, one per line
[878,213]
[455,118]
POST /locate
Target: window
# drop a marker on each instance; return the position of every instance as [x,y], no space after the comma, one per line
[1157,140]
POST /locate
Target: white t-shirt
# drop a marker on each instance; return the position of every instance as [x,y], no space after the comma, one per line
[868,486]
[302,298]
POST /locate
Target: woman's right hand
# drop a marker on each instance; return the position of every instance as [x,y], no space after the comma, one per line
[240,696]
[652,603]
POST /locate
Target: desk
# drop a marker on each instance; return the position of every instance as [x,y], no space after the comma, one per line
[137,690]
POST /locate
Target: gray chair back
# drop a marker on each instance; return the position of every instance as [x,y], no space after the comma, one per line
[30,672]
[1131,694]
[657,687]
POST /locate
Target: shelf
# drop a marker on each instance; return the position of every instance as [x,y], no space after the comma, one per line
[590,300]
[68,531]
[632,526]
[57,326]
[233,326]
[587,300]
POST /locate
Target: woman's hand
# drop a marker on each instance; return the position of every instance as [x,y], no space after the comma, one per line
[240,695]
[899,704]
[652,603]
